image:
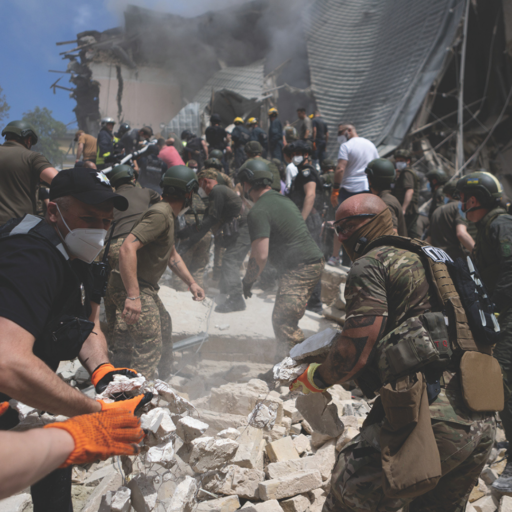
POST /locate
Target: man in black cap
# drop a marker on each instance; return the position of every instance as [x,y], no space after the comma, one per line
[50,293]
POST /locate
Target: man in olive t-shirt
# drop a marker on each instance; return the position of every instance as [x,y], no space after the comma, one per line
[143,258]
[87,147]
[279,234]
[21,170]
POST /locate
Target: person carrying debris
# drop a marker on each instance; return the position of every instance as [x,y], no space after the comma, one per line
[122,178]
[240,137]
[227,218]
[448,230]
[480,194]
[276,140]
[50,293]
[407,190]
[432,427]
[381,176]
[254,149]
[279,234]
[143,258]
[258,135]
[21,171]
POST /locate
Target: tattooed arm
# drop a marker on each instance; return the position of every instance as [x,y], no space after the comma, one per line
[257,260]
[128,271]
[178,267]
[352,349]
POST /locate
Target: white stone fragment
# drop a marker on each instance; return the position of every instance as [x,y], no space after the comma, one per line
[123,384]
[266,506]
[183,499]
[177,404]
[121,500]
[229,433]
[159,422]
[263,416]
[209,453]
[189,428]
[15,503]
[226,504]
[162,454]
[143,493]
[505,504]
[288,370]
[23,410]
[290,485]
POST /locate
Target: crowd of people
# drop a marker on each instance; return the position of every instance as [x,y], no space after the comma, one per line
[418,312]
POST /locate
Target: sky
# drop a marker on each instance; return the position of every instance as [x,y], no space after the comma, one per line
[30,29]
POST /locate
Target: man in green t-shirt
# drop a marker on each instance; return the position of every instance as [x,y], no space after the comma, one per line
[279,234]
[143,258]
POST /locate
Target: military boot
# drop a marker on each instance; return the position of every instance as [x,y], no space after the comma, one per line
[504,482]
[233,303]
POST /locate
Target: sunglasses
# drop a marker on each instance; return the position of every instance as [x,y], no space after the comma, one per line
[347,226]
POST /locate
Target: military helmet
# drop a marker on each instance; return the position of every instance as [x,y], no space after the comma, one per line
[381,172]
[327,164]
[256,171]
[484,185]
[403,153]
[180,178]
[253,147]
[213,163]
[450,188]
[272,111]
[120,172]
[238,120]
[438,175]
[216,153]
[215,118]
[107,120]
[252,120]
[21,129]
[123,128]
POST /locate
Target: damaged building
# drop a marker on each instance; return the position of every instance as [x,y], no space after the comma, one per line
[410,73]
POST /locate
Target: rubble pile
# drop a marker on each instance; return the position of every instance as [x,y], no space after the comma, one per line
[333,293]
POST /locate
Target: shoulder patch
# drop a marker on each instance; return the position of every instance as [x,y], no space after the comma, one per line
[306,173]
[436,255]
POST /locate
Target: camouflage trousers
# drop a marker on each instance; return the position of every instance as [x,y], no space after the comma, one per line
[196,259]
[295,288]
[356,483]
[503,353]
[145,346]
[110,307]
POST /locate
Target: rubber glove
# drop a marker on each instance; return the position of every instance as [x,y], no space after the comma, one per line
[305,382]
[104,374]
[335,197]
[131,405]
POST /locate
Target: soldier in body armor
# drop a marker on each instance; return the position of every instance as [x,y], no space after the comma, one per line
[480,194]
[406,190]
[429,459]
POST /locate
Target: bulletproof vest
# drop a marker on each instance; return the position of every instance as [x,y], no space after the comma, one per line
[67,329]
[409,344]
[484,255]
[399,191]
[297,193]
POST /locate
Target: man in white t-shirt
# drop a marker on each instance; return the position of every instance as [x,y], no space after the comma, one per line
[349,178]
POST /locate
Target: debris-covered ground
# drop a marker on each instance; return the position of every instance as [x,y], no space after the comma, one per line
[218,437]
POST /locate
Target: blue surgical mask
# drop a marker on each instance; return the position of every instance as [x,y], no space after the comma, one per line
[462,213]
[429,188]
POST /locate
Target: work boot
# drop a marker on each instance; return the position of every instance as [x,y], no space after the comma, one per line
[504,482]
[233,303]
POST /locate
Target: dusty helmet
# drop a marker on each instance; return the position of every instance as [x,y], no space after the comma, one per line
[21,129]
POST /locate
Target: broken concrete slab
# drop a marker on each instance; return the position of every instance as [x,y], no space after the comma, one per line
[229,433]
[505,504]
[317,498]
[183,499]
[234,480]
[189,428]
[121,500]
[220,421]
[176,403]
[100,474]
[143,493]
[317,345]
[162,454]
[282,450]
[288,370]
[292,412]
[291,485]
[110,483]
[295,429]
[302,444]
[158,421]
[299,503]
[227,504]
[263,416]
[15,503]
[249,454]
[266,506]
[321,413]
[209,453]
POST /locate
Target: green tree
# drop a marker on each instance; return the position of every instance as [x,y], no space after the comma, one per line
[4,107]
[48,130]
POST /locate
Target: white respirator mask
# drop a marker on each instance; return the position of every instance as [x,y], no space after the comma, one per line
[400,166]
[83,243]
[297,160]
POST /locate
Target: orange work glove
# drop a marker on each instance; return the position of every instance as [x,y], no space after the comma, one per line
[132,405]
[3,407]
[305,382]
[335,197]
[104,374]
[101,435]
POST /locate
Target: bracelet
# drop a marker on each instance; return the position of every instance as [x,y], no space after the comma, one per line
[134,298]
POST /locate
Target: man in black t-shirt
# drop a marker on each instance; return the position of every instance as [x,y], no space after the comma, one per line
[218,139]
[320,138]
[49,310]
[151,169]
[228,221]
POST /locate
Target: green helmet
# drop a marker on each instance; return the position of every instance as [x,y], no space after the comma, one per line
[216,153]
[403,153]
[213,163]
[450,188]
[21,129]
[438,175]
[179,179]
[327,164]
[483,185]
[253,147]
[256,171]
[120,172]
[381,173]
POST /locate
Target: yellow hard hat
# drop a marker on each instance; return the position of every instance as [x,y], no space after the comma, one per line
[311,116]
[272,111]
[238,120]
[252,120]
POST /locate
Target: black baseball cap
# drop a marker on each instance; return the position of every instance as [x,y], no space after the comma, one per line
[86,185]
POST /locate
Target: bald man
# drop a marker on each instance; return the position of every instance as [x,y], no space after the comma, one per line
[386,292]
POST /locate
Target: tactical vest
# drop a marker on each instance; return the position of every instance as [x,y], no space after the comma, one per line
[67,329]
[399,192]
[485,257]
[427,343]
[297,194]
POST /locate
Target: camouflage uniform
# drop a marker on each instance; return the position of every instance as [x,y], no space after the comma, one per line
[391,282]
[295,288]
